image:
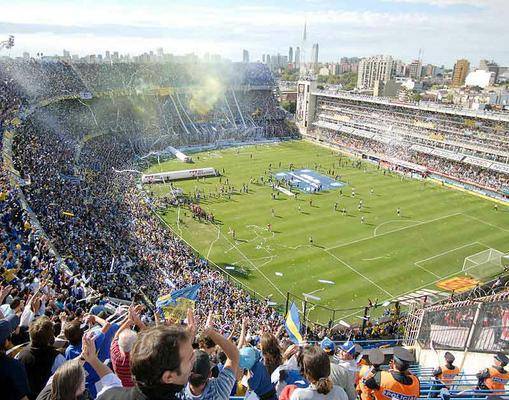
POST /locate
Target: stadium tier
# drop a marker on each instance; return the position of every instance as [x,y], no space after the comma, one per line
[472,146]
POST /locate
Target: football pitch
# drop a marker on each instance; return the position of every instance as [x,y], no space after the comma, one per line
[367,252]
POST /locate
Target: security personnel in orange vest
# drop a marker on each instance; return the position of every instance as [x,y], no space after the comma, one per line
[496,377]
[376,359]
[397,383]
[446,373]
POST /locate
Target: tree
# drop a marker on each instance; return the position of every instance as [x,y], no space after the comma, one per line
[290,106]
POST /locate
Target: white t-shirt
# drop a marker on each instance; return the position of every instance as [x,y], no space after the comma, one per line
[310,393]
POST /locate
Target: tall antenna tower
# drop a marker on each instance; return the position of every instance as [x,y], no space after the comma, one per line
[303,67]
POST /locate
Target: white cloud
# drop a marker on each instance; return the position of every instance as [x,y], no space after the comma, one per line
[445,3]
[184,28]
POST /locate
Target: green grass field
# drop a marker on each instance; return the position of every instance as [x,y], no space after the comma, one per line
[387,257]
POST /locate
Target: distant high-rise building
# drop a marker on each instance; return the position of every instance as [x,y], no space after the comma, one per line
[430,70]
[302,54]
[460,72]
[245,56]
[314,54]
[108,55]
[490,66]
[415,70]
[297,57]
[290,55]
[263,58]
[67,54]
[373,69]
[160,52]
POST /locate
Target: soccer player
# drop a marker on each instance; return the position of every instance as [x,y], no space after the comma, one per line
[310,240]
[344,211]
[273,213]
[353,193]
[335,206]
[371,191]
[495,207]
[311,203]
[269,227]
[300,209]
[359,207]
[398,211]
[362,219]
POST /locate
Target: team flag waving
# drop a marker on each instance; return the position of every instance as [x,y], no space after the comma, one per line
[174,305]
[292,324]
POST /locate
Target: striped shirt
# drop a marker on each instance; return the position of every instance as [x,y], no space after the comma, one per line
[120,364]
[216,389]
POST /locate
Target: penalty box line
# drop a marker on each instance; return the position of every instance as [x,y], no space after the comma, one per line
[251,262]
[418,263]
[358,273]
[393,231]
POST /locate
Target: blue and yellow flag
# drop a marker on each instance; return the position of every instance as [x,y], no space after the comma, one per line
[292,324]
[174,305]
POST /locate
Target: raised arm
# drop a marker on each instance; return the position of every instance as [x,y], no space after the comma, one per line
[229,348]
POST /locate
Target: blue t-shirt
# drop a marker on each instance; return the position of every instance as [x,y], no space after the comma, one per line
[102,345]
[72,352]
[13,378]
[260,379]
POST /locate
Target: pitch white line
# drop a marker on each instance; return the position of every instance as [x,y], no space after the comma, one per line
[486,223]
[178,221]
[447,252]
[427,270]
[392,220]
[394,230]
[212,243]
[373,259]
[254,266]
[358,273]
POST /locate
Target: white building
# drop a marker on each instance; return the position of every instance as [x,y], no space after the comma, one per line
[480,78]
[372,69]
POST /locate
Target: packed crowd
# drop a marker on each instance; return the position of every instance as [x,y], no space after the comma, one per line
[401,151]
[411,122]
[419,126]
[43,79]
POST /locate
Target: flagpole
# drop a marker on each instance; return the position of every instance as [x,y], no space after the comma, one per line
[287,303]
[304,325]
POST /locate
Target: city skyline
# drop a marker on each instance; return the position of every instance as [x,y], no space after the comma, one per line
[446,30]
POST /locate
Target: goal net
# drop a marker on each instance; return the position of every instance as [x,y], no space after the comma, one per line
[483,264]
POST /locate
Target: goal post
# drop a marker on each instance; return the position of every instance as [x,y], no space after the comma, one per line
[483,264]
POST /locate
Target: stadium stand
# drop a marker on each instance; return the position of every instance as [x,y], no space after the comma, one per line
[465,147]
[84,257]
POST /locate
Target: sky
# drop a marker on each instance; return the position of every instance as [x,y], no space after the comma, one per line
[444,30]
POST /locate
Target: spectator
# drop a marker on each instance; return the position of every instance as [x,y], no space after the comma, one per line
[122,345]
[161,362]
[13,378]
[340,374]
[201,384]
[271,352]
[40,359]
[315,366]
[68,382]
[258,378]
